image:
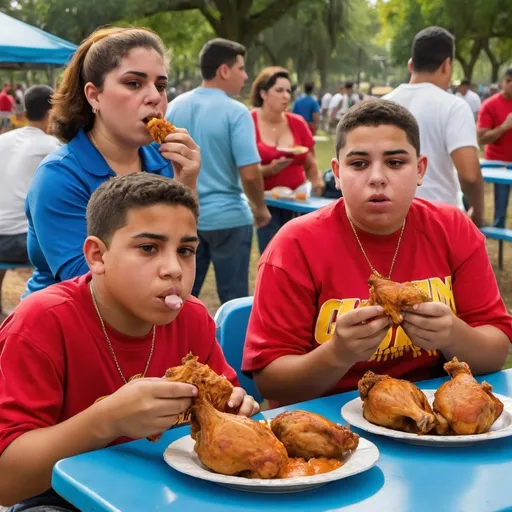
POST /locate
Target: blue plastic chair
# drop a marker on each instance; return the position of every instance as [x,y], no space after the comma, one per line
[232,319]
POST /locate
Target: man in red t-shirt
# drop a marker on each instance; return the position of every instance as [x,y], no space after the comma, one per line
[6,106]
[109,335]
[308,335]
[495,131]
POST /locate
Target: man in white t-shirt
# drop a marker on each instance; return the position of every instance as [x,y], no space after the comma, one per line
[470,97]
[447,125]
[324,110]
[22,151]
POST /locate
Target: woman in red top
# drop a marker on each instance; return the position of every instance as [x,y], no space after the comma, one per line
[277,128]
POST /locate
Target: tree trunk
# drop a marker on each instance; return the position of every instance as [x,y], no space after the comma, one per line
[468,64]
[495,64]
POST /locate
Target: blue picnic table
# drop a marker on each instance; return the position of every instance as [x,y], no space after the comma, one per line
[305,206]
[134,477]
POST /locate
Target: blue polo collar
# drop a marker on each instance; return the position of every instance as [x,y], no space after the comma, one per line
[94,163]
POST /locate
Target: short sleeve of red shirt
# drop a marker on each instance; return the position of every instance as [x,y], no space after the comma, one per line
[31,383]
[475,288]
[285,307]
[485,116]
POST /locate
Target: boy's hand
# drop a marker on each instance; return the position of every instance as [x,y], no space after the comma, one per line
[145,407]
[240,398]
[183,152]
[429,325]
[359,332]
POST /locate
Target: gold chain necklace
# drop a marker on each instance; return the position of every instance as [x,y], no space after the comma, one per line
[364,252]
[110,344]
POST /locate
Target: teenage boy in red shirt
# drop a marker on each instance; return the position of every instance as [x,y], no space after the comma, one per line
[307,335]
[109,334]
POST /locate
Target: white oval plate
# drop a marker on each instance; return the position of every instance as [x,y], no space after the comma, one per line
[300,150]
[352,412]
[180,455]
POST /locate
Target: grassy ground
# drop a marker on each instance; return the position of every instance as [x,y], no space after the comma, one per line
[15,281]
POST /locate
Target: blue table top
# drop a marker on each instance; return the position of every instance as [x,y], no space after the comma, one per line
[307,206]
[494,163]
[503,176]
[134,476]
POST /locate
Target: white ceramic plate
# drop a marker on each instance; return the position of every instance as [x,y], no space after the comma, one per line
[352,412]
[294,150]
[180,455]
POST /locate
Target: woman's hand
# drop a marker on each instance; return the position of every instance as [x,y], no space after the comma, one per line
[318,185]
[180,149]
[278,164]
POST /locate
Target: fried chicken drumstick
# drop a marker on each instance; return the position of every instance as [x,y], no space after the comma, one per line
[159,128]
[394,297]
[463,406]
[395,403]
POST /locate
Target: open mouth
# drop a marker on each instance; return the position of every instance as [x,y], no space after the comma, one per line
[147,119]
[379,199]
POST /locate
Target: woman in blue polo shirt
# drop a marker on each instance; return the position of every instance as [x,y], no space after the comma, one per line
[116,80]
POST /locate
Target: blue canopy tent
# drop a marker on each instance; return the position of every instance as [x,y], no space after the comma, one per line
[25,46]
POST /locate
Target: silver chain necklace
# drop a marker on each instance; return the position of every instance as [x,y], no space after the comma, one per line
[110,344]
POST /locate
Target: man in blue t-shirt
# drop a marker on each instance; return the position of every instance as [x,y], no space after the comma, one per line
[307,107]
[224,130]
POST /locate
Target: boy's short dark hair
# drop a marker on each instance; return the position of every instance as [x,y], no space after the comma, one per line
[349,85]
[465,83]
[430,48]
[38,102]
[109,204]
[378,113]
[217,52]
[309,87]
[508,72]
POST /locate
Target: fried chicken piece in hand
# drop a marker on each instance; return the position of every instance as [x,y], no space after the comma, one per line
[309,435]
[462,406]
[394,297]
[395,403]
[211,387]
[159,128]
[236,445]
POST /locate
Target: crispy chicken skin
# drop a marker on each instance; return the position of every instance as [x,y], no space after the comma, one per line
[395,403]
[309,435]
[394,297]
[211,387]
[159,128]
[236,445]
[462,406]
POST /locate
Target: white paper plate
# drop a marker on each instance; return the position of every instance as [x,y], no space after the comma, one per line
[180,456]
[298,150]
[352,412]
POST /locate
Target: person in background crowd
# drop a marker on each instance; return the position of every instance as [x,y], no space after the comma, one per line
[495,131]
[276,129]
[471,98]
[342,101]
[324,110]
[223,128]
[22,151]
[308,108]
[7,107]
[447,126]
[116,81]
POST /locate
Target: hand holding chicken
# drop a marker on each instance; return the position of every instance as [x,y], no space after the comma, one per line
[430,325]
